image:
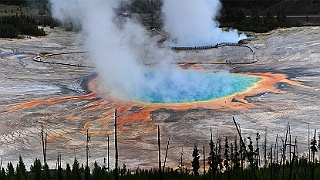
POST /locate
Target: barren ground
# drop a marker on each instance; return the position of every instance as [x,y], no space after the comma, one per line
[294,52]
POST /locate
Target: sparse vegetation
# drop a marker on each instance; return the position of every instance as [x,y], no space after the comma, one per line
[233,164]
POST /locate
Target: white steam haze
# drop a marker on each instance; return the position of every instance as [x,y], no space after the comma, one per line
[118,46]
[114,46]
[193,23]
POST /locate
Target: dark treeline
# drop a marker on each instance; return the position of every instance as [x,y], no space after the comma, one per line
[226,159]
[14,2]
[249,4]
[32,3]
[301,169]
[244,15]
[12,26]
[266,15]
[256,22]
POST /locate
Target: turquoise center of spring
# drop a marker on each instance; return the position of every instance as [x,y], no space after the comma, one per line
[192,86]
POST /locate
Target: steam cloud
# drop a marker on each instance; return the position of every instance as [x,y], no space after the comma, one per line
[119,46]
[192,23]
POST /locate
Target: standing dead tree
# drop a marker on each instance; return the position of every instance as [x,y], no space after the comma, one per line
[160,173]
[165,159]
[59,167]
[108,152]
[204,161]
[181,160]
[313,151]
[44,145]
[245,149]
[87,155]
[116,145]
[284,150]
[293,157]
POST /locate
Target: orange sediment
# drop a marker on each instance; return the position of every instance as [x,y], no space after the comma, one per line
[128,115]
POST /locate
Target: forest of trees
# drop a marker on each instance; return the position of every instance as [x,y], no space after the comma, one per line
[240,159]
[233,13]
[255,23]
[12,26]
[242,15]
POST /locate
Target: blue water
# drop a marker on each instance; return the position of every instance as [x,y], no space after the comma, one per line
[191,86]
[21,57]
[18,55]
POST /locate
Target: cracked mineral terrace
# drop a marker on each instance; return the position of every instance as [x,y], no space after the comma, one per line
[66,100]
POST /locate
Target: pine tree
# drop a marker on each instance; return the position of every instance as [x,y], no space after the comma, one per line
[313,150]
[97,172]
[226,153]
[10,171]
[231,154]
[236,156]
[195,162]
[46,171]
[76,173]
[36,169]
[21,172]
[212,158]
[68,172]
[3,174]
[219,157]
[87,172]
[227,156]
[257,151]
[252,154]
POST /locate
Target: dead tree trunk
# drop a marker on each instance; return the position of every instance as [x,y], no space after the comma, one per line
[242,142]
[293,157]
[284,152]
[165,159]
[116,145]
[87,155]
[204,162]
[108,153]
[160,173]
[44,145]
[271,164]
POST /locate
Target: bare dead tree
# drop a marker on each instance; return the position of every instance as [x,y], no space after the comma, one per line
[108,153]
[87,154]
[44,145]
[284,151]
[165,159]
[160,173]
[293,156]
[116,145]
[290,144]
[181,159]
[265,149]
[308,142]
[204,161]
[277,145]
[59,167]
[245,149]
[313,150]
[271,164]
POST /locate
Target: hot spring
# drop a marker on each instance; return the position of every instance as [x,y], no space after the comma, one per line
[17,56]
[190,86]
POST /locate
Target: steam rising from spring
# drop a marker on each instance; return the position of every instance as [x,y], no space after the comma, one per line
[120,46]
[193,23]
